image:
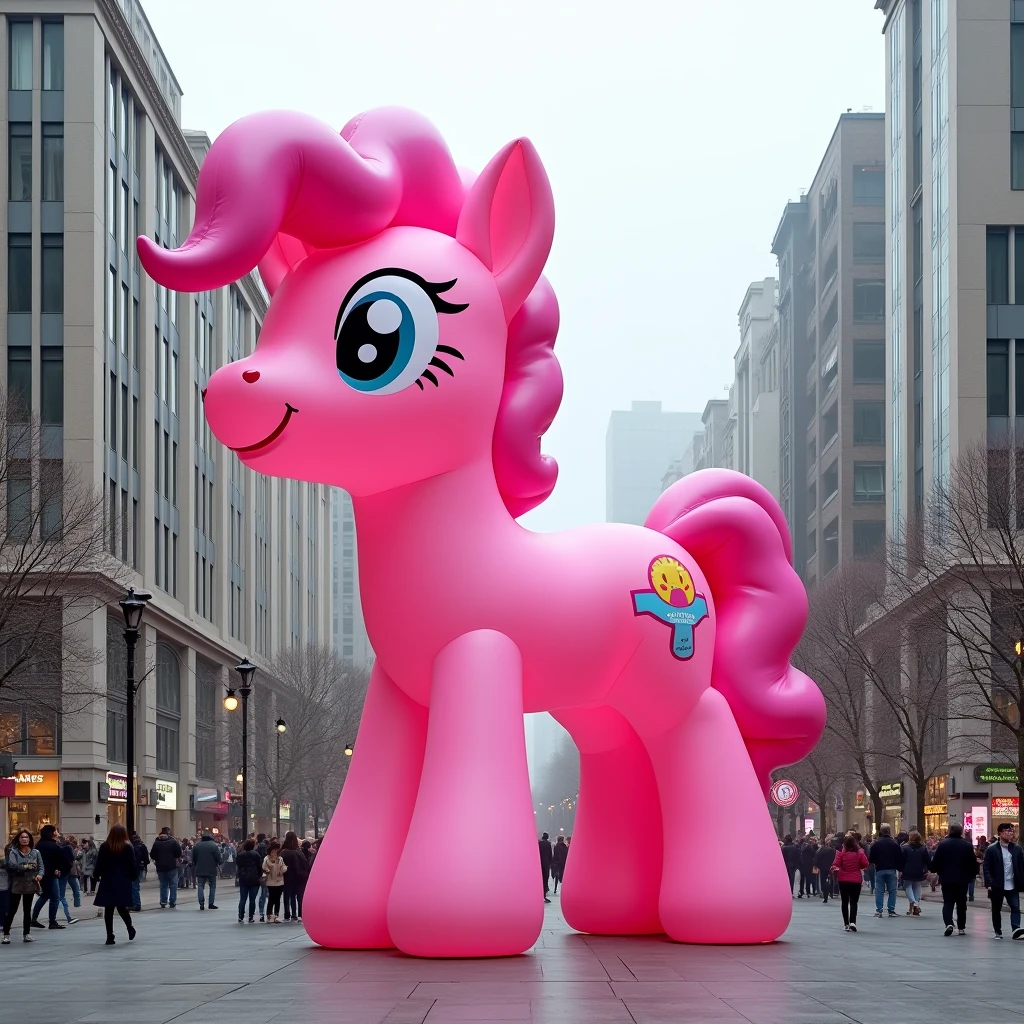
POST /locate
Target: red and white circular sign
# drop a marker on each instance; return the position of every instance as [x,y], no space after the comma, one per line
[785,793]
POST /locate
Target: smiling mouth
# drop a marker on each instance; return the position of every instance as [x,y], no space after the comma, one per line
[272,436]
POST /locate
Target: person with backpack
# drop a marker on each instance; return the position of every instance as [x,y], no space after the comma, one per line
[250,873]
[142,861]
[166,857]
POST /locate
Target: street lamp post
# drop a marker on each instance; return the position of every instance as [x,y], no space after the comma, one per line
[281,728]
[245,670]
[133,604]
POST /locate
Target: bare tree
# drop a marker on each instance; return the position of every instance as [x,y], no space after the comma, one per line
[960,572]
[819,776]
[56,565]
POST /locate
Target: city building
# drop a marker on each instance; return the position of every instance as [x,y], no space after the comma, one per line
[716,448]
[954,249]
[830,247]
[115,367]
[755,391]
[640,445]
[347,626]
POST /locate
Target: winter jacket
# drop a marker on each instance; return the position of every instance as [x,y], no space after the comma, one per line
[250,867]
[275,871]
[885,854]
[29,864]
[116,872]
[166,853]
[849,864]
[298,870]
[141,853]
[559,853]
[89,855]
[992,867]
[545,856]
[206,857]
[791,856]
[52,858]
[823,859]
[954,861]
[916,861]
[807,852]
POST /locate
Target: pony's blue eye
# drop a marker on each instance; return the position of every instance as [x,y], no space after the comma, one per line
[386,336]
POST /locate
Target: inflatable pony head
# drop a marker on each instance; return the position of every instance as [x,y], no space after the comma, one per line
[408,356]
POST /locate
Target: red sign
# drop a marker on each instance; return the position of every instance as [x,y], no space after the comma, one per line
[7,787]
[785,793]
[218,808]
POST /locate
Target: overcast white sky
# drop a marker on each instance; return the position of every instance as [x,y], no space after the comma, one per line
[673,133]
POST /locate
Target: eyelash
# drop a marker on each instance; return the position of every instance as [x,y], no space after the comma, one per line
[440,364]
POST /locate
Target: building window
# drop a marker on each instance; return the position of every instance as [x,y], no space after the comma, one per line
[998,378]
[869,481]
[869,243]
[206,711]
[868,538]
[997,266]
[53,273]
[1017,160]
[831,319]
[868,186]
[868,422]
[19,382]
[1017,65]
[51,385]
[868,301]
[21,55]
[20,164]
[868,361]
[19,499]
[53,163]
[19,273]
[53,56]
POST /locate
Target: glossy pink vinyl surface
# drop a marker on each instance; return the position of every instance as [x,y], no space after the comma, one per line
[408,356]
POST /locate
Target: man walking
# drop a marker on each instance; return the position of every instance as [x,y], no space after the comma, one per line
[887,858]
[261,849]
[791,858]
[141,863]
[206,858]
[53,867]
[166,854]
[955,864]
[546,854]
[1003,868]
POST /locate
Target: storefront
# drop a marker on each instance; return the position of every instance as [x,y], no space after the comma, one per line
[1005,808]
[166,803]
[891,795]
[936,806]
[35,801]
[116,789]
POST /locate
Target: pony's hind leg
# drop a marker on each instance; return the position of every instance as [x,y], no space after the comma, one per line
[613,871]
[701,763]
[345,906]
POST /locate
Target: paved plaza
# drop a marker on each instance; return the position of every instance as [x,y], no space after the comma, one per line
[205,968]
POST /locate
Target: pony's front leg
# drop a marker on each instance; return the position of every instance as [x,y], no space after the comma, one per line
[478,893]
[701,763]
[345,906]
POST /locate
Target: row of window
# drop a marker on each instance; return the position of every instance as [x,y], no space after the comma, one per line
[19,273]
[999,243]
[19,164]
[51,383]
[868,484]
[868,539]
[21,53]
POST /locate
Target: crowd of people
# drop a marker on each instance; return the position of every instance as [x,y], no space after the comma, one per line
[847,862]
[38,873]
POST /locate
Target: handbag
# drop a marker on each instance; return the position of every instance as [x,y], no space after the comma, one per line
[25,885]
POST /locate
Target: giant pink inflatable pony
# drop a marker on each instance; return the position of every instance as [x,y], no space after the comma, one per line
[408,356]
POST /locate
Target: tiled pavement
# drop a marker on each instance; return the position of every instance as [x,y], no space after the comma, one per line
[194,968]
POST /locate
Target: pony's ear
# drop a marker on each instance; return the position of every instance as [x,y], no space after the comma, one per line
[508,221]
[286,253]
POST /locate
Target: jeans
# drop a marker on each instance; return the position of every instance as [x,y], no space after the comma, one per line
[792,876]
[849,893]
[201,881]
[62,888]
[913,890]
[1012,901]
[263,899]
[826,885]
[50,894]
[248,892]
[75,886]
[291,904]
[168,886]
[954,894]
[885,881]
[869,876]
[136,891]
[970,889]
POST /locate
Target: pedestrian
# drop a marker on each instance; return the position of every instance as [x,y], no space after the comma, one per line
[25,871]
[5,883]
[887,858]
[261,849]
[53,863]
[546,855]
[117,867]
[808,886]
[915,861]
[229,853]
[955,864]
[166,858]
[1003,868]
[250,871]
[295,878]
[791,858]
[89,853]
[849,862]
[274,868]
[74,875]
[142,859]
[558,856]
[823,860]
[206,858]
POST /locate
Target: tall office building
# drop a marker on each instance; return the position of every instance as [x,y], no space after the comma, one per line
[639,447]
[347,627]
[831,253]
[238,564]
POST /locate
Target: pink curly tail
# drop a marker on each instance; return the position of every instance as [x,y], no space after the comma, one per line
[738,536]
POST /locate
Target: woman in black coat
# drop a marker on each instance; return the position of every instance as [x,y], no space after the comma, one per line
[295,877]
[116,869]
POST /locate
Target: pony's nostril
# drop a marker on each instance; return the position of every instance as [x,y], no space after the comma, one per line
[250,376]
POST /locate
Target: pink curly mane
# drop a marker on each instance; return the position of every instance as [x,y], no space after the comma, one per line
[387,167]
